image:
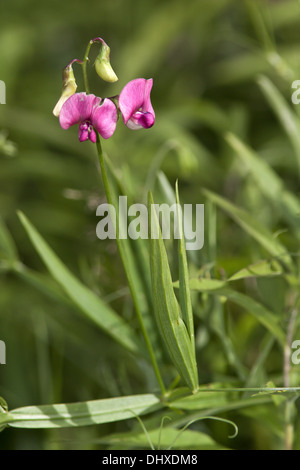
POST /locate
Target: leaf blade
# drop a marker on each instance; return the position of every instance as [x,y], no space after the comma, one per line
[257,231]
[184,288]
[167,310]
[82,413]
[88,302]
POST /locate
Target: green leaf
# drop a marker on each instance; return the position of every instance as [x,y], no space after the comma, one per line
[261,313]
[251,225]
[287,117]
[268,181]
[165,438]
[167,310]
[81,414]
[202,400]
[43,282]
[218,325]
[136,267]
[7,245]
[184,288]
[264,268]
[135,258]
[3,410]
[203,284]
[88,302]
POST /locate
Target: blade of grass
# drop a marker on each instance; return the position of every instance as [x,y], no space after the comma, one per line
[88,302]
[7,245]
[133,277]
[167,310]
[288,119]
[136,252]
[250,225]
[184,288]
[261,313]
[264,268]
[268,181]
[170,438]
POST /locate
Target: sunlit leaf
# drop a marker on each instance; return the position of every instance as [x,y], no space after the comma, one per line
[81,414]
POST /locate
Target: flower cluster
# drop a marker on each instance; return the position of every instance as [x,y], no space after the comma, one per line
[92,113]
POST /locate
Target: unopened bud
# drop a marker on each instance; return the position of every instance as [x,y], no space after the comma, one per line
[69,86]
[102,63]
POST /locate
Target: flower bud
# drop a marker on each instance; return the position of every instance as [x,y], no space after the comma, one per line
[69,87]
[102,63]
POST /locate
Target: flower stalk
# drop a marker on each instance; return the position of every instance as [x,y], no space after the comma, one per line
[97,117]
[84,64]
[131,284]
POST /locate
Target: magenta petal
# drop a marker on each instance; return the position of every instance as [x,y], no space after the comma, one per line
[104,118]
[140,120]
[134,97]
[76,109]
[83,132]
[93,136]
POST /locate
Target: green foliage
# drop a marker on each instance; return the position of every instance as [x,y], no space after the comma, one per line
[169,317]
[140,343]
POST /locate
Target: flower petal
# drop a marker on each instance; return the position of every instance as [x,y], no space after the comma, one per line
[134,97]
[93,136]
[78,108]
[83,132]
[140,120]
[104,118]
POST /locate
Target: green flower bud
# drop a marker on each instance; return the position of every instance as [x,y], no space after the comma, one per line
[102,63]
[69,87]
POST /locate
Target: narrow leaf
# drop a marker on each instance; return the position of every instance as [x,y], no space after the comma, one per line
[254,229]
[264,268]
[88,302]
[167,311]
[184,288]
[7,245]
[81,414]
[168,438]
[287,117]
[261,313]
[268,181]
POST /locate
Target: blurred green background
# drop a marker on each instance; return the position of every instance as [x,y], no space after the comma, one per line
[204,57]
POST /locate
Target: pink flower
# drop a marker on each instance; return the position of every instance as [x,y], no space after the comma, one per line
[135,104]
[91,113]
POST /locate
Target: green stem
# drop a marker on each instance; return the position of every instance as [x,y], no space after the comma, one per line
[130,281]
[85,60]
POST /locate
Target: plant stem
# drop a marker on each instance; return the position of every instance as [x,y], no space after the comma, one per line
[130,280]
[85,60]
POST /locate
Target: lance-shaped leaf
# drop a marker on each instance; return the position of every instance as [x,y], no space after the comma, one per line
[7,245]
[263,268]
[3,410]
[167,310]
[287,117]
[184,288]
[215,287]
[85,299]
[269,183]
[85,413]
[254,228]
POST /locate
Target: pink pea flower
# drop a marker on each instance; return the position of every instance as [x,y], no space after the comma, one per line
[91,113]
[135,104]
